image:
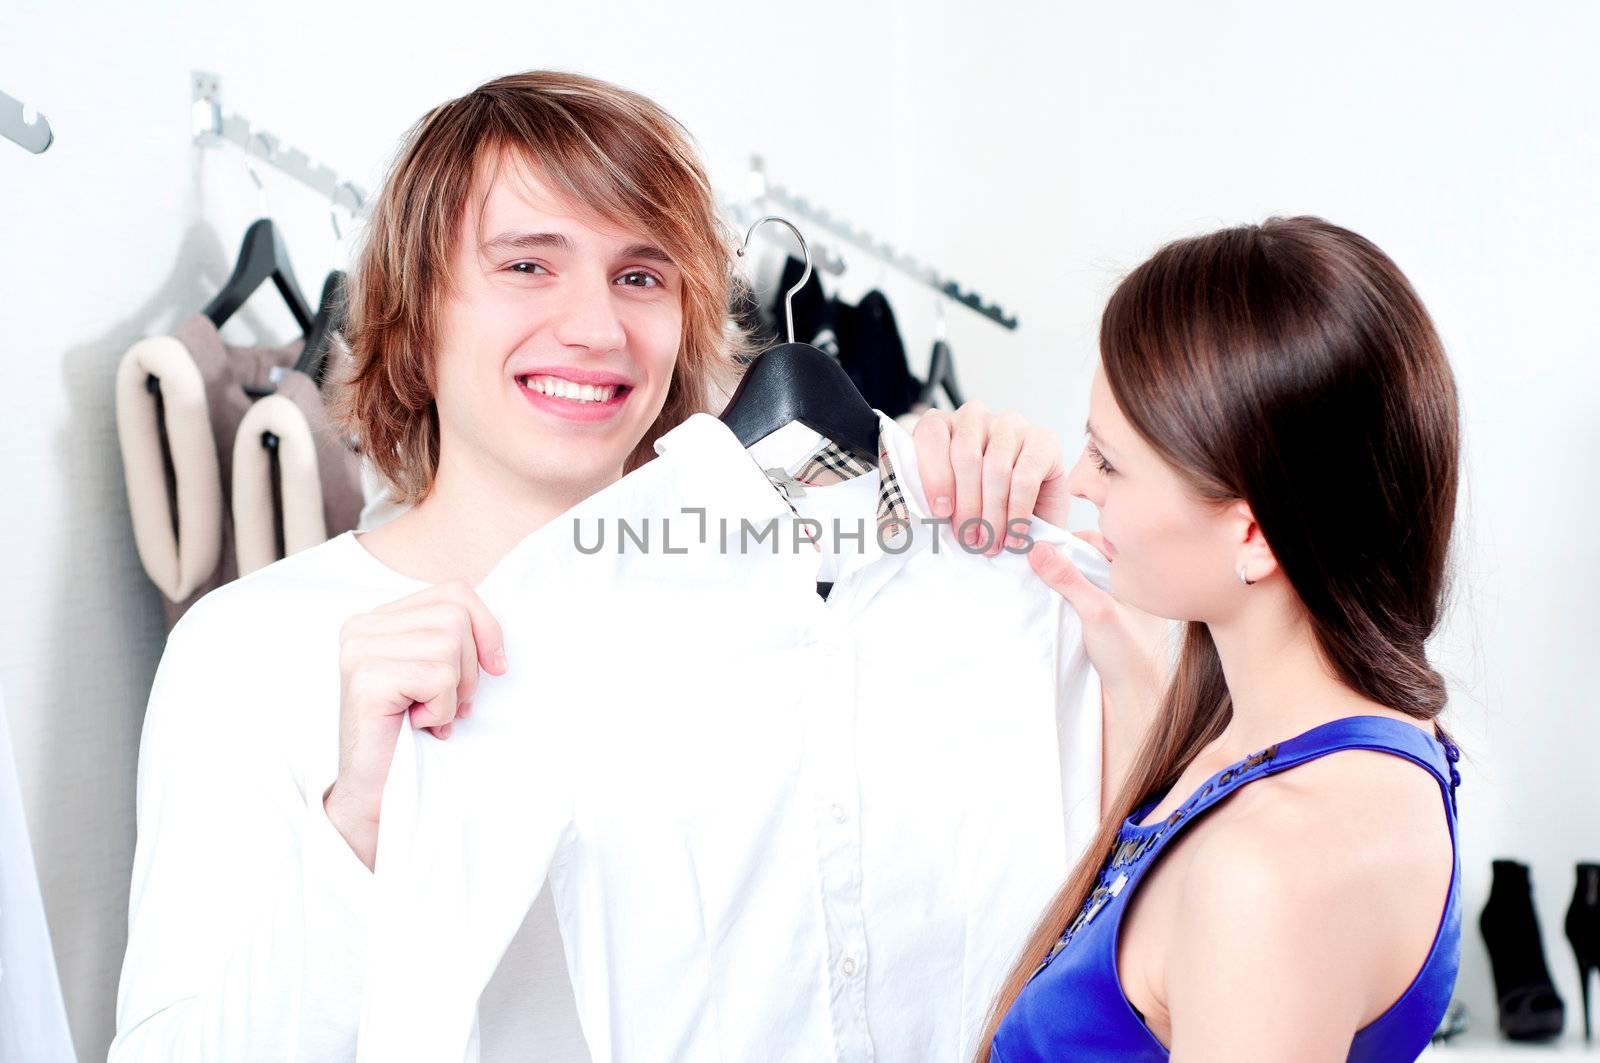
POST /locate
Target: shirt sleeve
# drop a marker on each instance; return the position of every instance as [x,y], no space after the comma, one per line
[469,831]
[246,907]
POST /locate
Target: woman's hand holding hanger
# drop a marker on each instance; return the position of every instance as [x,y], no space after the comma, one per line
[1001,468]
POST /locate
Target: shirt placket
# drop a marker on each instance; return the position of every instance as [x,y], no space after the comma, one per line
[831,764]
[835,787]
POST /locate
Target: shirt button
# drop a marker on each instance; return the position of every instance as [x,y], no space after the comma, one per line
[849,966]
[838,813]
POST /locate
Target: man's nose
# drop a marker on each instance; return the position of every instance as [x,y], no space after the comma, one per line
[588,318]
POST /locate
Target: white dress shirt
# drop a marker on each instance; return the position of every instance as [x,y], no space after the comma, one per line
[775,827]
[247,910]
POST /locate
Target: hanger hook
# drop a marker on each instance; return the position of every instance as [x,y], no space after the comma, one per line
[788,296]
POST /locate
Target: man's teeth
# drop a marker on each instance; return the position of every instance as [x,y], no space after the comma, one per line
[556,387]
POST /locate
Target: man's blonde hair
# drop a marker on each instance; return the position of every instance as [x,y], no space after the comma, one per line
[607,149]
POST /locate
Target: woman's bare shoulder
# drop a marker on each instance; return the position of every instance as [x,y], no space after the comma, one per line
[1337,869]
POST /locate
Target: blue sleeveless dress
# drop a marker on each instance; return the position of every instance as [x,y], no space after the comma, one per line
[1074,1008]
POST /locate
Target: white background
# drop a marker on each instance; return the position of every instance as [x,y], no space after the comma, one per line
[1033,151]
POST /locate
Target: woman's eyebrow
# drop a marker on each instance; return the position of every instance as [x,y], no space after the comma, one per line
[1098,442]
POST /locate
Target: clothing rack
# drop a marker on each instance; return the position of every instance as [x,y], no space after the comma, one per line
[24,126]
[798,207]
[211,128]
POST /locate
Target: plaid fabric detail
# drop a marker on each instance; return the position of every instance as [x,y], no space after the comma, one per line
[891,496]
[833,464]
[830,465]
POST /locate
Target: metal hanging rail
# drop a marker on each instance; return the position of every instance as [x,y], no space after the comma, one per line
[24,126]
[798,207]
[211,128]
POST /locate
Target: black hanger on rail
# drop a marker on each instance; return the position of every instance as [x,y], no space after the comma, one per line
[797,382]
[313,361]
[941,376]
[262,257]
[941,366]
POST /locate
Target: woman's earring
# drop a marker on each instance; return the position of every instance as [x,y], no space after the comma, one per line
[1246,582]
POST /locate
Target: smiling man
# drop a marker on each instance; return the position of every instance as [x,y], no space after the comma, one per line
[541,296]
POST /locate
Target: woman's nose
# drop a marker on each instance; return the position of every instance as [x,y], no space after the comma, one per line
[1085,481]
[588,319]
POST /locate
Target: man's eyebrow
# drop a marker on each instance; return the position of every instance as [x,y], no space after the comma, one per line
[523,241]
[529,241]
[647,251]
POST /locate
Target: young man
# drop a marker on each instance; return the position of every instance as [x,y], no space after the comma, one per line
[541,298]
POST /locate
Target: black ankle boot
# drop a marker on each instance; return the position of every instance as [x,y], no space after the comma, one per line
[1530,1010]
[1583,930]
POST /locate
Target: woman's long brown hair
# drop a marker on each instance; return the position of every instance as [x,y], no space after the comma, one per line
[1289,364]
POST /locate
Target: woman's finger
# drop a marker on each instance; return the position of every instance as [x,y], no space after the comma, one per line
[966,459]
[932,438]
[1000,454]
[1095,539]
[1090,602]
[1041,454]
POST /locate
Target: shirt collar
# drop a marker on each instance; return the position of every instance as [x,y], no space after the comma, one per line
[832,464]
[801,454]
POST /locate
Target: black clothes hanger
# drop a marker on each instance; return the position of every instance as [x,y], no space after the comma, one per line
[313,362]
[874,356]
[941,376]
[262,257]
[797,382]
[313,359]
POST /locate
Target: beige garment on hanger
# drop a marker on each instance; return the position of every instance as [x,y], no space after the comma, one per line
[319,476]
[178,494]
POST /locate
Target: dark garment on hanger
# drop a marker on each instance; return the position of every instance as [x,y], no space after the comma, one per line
[864,337]
[814,311]
[745,309]
[871,351]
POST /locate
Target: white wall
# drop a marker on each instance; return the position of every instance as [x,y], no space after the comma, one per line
[1035,151]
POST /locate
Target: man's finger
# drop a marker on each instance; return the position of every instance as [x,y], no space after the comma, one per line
[487,637]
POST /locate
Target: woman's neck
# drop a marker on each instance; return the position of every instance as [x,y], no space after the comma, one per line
[1280,683]
[472,517]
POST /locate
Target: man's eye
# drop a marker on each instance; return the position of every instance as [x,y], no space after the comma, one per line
[527,267]
[639,279]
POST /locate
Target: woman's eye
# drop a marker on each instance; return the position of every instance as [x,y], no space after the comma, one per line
[639,279]
[518,267]
[1099,459]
